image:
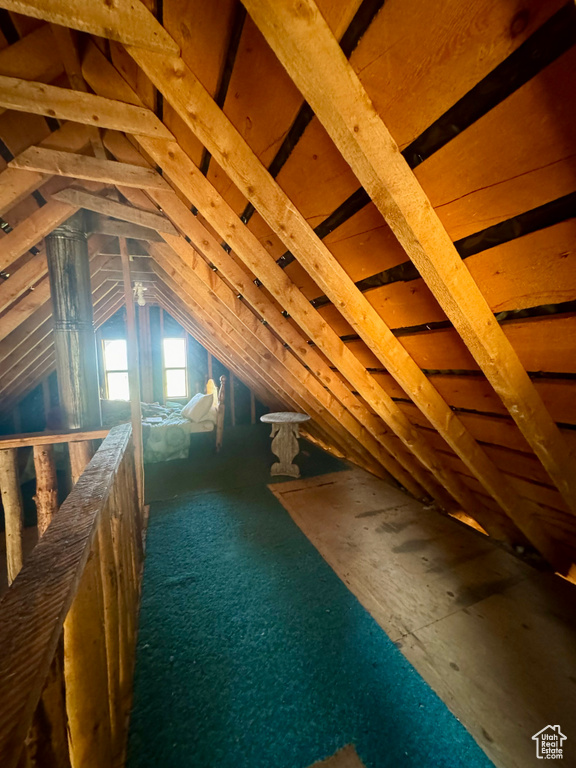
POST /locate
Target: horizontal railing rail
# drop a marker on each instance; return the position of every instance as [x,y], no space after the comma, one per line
[68,624]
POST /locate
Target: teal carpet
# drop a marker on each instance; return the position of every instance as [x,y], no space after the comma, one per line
[252,653]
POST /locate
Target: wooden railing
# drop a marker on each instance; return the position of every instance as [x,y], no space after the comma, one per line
[68,624]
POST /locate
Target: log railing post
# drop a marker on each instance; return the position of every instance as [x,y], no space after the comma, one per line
[12,503]
[66,684]
[86,672]
[46,497]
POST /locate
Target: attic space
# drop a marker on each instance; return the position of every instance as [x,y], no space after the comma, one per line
[287,383]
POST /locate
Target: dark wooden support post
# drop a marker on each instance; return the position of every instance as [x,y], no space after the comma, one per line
[232,401]
[133,368]
[74,342]
[252,408]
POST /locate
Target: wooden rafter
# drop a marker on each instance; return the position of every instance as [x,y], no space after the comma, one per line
[58,163]
[194,105]
[184,174]
[304,44]
[81,199]
[128,23]
[86,108]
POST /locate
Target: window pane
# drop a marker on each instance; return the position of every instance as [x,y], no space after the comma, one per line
[175,353]
[115,357]
[118,388]
[176,383]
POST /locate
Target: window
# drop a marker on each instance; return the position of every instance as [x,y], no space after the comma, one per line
[116,369]
[175,382]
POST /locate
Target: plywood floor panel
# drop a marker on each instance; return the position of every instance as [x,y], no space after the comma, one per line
[494,637]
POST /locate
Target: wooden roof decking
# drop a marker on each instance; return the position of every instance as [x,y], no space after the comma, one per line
[398,251]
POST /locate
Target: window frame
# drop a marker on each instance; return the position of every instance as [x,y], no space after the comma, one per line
[114,370]
[166,368]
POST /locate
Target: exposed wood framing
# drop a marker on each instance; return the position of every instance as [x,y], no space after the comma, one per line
[128,23]
[81,199]
[219,215]
[66,104]
[306,47]
[59,163]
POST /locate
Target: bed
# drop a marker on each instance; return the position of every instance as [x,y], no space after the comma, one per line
[166,433]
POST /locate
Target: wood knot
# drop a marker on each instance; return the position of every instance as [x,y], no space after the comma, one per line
[519,23]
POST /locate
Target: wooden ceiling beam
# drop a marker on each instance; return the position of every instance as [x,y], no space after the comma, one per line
[144,218]
[15,184]
[195,106]
[128,23]
[33,57]
[77,106]
[57,163]
[104,226]
[184,174]
[32,230]
[24,308]
[44,364]
[22,280]
[215,255]
[304,44]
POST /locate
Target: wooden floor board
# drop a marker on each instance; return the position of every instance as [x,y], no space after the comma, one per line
[493,637]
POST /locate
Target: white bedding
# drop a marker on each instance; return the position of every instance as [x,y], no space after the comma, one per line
[171,439]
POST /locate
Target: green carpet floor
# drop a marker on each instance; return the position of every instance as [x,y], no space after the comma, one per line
[251,652]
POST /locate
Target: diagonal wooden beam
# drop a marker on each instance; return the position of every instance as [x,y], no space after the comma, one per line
[128,23]
[186,177]
[58,163]
[25,307]
[227,268]
[102,225]
[144,218]
[66,104]
[195,106]
[15,184]
[33,57]
[306,47]
[32,230]
[22,280]
[207,245]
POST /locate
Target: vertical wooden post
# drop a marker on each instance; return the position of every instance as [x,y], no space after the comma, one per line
[46,486]
[110,586]
[86,675]
[12,503]
[252,408]
[232,402]
[132,344]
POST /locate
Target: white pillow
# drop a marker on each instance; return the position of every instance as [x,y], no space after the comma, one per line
[197,408]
